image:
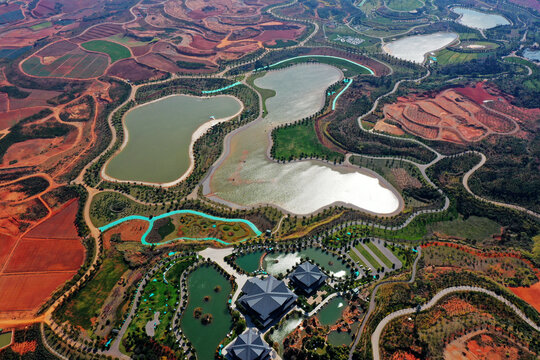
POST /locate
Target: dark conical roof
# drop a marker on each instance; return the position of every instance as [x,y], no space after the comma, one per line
[266,295]
[308,274]
[249,346]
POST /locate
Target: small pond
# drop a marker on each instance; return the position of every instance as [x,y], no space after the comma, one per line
[337,338]
[331,312]
[206,338]
[250,261]
[479,20]
[532,54]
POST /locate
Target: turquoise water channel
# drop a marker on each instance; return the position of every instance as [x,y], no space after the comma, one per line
[192,212]
[159,136]
[205,338]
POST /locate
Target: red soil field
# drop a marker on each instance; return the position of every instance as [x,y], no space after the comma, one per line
[10,118]
[131,70]
[277,34]
[22,292]
[57,49]
[39,255]
[36,151]
[476,93]
[59,226]
[451,115]
[100,31]
[6,244]
[158,62]
[530,294]
[36,98]
[198,42]
[4,102]
[141,50]
[129,231]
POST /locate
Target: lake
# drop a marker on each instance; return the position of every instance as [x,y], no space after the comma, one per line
[479,20]
[531,54]
[160,134]
[414,48]
[247,177]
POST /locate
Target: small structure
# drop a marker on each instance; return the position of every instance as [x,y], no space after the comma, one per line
[249,346]
[307,278]
[266,300]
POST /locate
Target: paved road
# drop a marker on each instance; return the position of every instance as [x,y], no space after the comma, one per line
[372,304]
[375,337]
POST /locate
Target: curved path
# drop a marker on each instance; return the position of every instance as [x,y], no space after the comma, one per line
[375,337]
[372,304]
[465,182]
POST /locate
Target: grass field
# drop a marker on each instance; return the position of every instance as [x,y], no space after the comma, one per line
[160,295]
[115,51]
[474,228]
[129,41]
[300,141]
[374,263]
[447,57]
[265,93]
[356,259]
[43,25]
[88,301]
[404,5]
[5,339]
[379,254]
[75,64]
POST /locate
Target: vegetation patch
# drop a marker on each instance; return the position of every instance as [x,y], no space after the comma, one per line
[115,51]
[300,141]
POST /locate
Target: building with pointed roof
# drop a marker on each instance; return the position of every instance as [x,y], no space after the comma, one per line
[266,300]
[307,278]
[249,346]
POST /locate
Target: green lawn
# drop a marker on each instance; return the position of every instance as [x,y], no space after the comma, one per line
[447,57]
[115,51]
[374,263]
[474,228]
[265,93]
[41,26]
[300,141]
[5,339]
[404,5]
[379,254]
[356,259]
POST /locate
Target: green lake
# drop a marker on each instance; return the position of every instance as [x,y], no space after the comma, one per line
[5,339]
[206,338]
[250,261]
[331,312]
[160,134]
[339,338]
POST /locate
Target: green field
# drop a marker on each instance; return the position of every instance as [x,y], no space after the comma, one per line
[115,51]
[87,302]
[41,26]
[403,5]
[356,259]
[5,339]
[379,254]
[300,141]
[447,57]
[160,295]
[374,263]
[474,228]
